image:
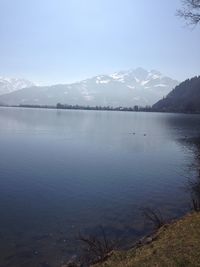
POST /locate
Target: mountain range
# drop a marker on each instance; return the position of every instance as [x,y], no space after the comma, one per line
[125,88]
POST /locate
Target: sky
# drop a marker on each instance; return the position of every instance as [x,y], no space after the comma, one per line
[62,41]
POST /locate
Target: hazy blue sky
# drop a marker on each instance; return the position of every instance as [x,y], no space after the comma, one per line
[52,41]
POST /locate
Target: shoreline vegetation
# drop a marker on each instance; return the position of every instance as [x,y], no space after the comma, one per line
[175,244]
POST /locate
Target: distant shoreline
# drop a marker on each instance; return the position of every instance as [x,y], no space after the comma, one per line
[80,107]
[98,108]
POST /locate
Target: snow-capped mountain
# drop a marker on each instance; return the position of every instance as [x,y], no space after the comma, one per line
[124,88]
[8,85]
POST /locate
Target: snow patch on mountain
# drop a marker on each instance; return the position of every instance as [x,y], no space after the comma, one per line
[160,85]
[8,85]
[131,87]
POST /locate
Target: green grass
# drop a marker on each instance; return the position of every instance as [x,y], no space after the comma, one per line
[175,245]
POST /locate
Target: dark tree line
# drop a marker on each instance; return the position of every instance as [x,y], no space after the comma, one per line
[184,98]
[109,108]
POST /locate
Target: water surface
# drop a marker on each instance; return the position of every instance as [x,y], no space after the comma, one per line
[64,171]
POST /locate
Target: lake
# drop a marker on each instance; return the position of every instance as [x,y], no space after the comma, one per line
[66,171]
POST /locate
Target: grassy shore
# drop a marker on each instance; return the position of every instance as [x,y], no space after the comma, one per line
[176,244]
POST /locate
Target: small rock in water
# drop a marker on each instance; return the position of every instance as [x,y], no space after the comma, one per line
[149,240]
[62,240]
[35,252]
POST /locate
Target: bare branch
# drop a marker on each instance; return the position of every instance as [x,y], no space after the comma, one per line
[98,248]
[190,11]
[154,216]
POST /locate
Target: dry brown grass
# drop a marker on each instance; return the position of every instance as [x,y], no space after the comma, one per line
[176,245]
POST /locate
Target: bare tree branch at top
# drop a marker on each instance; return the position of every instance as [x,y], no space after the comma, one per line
[190,11]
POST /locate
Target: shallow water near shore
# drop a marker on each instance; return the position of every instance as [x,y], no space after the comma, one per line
[65,171]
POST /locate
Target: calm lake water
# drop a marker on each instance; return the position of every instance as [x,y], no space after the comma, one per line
[63,171]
